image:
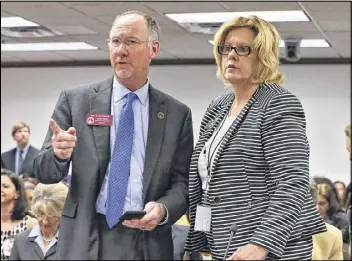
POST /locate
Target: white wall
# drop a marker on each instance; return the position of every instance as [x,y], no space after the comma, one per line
[30,94]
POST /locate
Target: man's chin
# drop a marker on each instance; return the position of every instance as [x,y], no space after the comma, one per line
[123,74]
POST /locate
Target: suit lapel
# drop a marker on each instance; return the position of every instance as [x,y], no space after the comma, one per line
[37,250]
[234,128]
[12,162]
[100,103]
[156,126]
[51,250]
[219,113]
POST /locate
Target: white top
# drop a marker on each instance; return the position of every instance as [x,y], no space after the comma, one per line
[212,146]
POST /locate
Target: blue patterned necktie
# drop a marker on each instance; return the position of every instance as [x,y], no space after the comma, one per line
[120,163]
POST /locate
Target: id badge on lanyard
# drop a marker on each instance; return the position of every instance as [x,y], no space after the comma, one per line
[203,213]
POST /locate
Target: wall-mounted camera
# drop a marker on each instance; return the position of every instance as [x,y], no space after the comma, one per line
[292,49]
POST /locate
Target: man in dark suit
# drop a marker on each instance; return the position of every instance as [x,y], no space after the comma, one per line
[20,159]
[130,147]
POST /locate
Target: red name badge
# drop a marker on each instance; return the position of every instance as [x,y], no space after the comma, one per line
[99,119]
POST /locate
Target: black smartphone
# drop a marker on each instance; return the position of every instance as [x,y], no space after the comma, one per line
[132,215]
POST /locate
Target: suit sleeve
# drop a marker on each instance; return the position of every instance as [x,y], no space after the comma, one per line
[176,197]
[14,251]
[2,164]
[336,251]
[45,165]
[286,152]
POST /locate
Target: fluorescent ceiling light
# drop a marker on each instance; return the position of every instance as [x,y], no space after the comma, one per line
[304,43]
[221,17]
[16,22]
[65,46]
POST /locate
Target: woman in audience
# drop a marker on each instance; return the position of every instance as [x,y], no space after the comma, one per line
[327,245]
[39,243]
[340,188]
[14,215]
[29,186]
[250,168]
[329,206]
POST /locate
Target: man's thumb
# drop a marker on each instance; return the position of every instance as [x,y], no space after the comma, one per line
[71,131]
[149,206]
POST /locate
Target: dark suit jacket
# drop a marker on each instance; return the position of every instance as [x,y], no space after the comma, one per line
[8,161]
[165,176]
[25,248]
[259,177]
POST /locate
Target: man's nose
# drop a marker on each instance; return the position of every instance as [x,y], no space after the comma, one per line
[122,49]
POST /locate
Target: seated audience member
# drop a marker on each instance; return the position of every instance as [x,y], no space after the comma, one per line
[29,186]
[340,188]
[20,159]
[326,245]
[331,211]
[14,215]
[40,242]
[329,206]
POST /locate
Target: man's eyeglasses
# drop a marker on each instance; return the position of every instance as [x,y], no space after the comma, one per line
[129,42]
[240,50]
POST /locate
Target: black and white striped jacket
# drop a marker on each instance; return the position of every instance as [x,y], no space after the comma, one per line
[259,178]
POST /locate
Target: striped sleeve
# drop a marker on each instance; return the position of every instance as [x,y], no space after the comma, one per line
[286,152]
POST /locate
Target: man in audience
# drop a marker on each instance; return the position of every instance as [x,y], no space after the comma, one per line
[20,159]
[130,146]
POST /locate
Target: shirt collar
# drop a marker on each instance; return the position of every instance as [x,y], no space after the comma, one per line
[35,232]
[121,91]
[24,150]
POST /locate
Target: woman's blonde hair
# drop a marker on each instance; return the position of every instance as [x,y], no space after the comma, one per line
[49,199]
[266,43]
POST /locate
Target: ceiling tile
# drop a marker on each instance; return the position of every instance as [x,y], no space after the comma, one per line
[331,6]
[109,9]
[9,58]
[295,27]
[338,26]
[182,7]
[39,56]
[85,55]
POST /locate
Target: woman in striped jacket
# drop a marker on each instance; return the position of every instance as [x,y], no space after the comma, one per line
[250,167]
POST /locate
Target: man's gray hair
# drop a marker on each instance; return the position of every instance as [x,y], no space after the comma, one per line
[152,24]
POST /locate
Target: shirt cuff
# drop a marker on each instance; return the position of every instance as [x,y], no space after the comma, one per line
[166,219]
[61,164]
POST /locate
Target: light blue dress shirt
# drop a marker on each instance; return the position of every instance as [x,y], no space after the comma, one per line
[25,151]
[39,238]
[134,195]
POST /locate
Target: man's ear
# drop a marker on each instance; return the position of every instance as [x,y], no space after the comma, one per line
[154,49]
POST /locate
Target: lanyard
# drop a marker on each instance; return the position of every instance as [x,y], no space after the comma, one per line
[210,156]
